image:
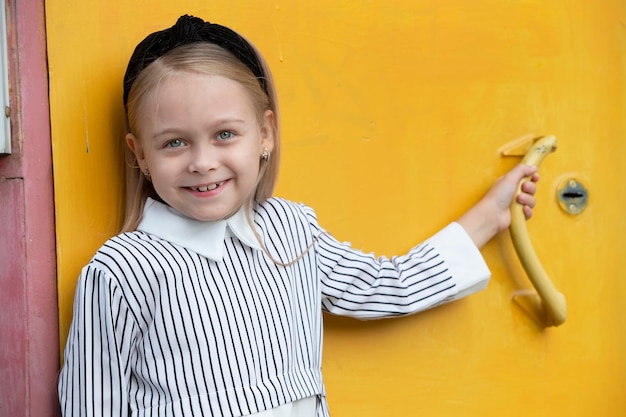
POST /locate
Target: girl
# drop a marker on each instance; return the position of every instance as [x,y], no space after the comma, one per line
[210,302]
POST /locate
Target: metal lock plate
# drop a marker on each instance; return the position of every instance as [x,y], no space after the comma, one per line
[572,196]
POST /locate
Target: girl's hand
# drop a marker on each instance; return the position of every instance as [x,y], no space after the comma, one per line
[502,192]
[491,214]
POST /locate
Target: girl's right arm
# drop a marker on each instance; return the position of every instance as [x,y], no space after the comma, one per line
[94,378]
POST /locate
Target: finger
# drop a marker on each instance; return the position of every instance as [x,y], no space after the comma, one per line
[522,171]
[528,212]
[528,170]
[529,187]
[526,200]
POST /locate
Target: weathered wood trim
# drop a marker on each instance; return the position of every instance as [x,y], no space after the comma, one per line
[29,343]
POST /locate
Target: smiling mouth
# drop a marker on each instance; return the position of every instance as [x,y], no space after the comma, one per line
[209,187]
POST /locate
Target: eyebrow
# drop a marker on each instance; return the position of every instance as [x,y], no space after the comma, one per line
[215,124]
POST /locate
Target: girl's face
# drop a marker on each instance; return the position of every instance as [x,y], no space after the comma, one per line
[200,139]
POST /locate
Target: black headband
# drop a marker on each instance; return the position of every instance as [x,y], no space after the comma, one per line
[189,29]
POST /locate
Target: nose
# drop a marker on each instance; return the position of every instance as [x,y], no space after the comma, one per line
[204,158]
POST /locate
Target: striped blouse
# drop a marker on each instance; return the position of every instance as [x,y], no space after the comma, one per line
[185,318]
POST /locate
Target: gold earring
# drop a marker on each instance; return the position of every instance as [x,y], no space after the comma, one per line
[265,155]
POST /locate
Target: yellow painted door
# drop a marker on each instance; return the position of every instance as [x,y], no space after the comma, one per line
[393,116]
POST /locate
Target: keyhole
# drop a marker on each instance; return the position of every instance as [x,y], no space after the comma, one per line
[572,196]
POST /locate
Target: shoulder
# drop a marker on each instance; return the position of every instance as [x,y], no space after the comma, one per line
[125,244]
[280,210]
[126,252]
[287,228]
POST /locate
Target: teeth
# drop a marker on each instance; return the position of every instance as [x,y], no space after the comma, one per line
[209,187]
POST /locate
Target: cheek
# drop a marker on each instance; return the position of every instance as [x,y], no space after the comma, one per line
[250,155]
[250,166]
[253,165]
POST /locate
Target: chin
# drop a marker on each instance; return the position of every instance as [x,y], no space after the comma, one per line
[210,217]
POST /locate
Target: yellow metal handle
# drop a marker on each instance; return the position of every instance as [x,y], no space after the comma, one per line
[553,302]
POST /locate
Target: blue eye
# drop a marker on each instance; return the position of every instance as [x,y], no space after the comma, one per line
[226,134]
[175,143]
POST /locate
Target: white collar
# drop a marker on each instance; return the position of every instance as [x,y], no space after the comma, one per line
[204,238]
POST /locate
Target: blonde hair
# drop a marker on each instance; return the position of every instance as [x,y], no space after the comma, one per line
[208,59]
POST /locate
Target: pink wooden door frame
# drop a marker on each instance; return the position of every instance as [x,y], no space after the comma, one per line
[29,342]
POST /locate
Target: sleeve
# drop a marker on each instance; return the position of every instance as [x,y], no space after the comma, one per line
[446,267]
[95,376]
[464,260]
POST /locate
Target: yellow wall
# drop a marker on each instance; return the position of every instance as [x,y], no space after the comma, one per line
[393,114]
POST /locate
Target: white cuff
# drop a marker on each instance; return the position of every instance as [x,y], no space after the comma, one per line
[464,260]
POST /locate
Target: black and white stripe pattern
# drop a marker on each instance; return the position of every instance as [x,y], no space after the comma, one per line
[160,330]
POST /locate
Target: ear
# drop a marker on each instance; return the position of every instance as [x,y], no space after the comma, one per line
[135,146]
[268,131]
